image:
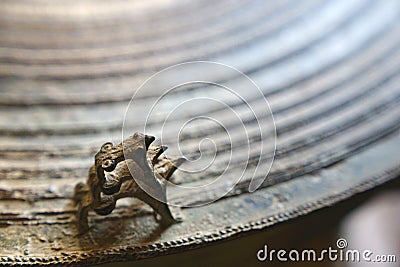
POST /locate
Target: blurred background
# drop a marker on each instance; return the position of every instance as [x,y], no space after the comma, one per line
[329,70]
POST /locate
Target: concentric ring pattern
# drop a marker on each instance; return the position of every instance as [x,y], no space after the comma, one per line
[329,69]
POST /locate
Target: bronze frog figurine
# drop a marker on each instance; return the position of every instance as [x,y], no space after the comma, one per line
[112,178]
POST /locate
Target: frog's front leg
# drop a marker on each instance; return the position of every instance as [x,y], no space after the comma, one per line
[82,216]
[82,199]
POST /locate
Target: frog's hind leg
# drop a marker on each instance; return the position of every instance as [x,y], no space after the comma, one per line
[161,208]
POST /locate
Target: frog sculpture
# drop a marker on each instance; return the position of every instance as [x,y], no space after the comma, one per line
[116,173]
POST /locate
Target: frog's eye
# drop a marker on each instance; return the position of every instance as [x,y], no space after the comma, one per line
[106,147]
[108,165]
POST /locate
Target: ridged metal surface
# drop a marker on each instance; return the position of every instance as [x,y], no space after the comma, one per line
[330,71]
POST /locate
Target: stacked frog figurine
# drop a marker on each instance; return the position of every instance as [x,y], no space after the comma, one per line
[134,168]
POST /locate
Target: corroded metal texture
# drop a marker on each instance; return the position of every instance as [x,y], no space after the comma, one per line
[330,71]
[114,176]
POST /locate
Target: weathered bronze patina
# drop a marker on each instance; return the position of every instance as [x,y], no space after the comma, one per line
[110,178]
[68,69]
